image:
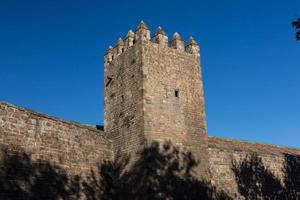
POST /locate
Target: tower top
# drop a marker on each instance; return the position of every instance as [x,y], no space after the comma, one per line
[142,25]
[176,36]
[130,33]
[160,37]
[160,31]
[192,41]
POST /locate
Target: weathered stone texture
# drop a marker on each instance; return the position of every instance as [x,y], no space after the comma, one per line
[75,148]
[123,101]
[173,98]
[223,152]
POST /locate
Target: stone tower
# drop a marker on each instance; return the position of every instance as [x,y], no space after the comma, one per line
[154,91]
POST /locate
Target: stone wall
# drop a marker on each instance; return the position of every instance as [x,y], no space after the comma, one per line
[223,153]
[123,101]
[73,147]
[174,99]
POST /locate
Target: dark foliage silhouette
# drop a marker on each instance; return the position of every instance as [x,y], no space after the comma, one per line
[22,178]
[106,184]
[292,176]
[255,181]
[296,24]
[159,172]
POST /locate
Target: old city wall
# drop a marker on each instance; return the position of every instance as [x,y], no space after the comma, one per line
[153,92]
[223,153]
[73,147]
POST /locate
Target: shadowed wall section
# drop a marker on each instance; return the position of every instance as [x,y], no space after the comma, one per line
[224,153]
[73,147]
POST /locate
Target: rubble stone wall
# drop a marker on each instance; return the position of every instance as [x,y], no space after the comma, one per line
[71,146]
[224,152]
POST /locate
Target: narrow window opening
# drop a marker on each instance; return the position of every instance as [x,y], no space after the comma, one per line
[109,79]
[176,93]
[112,57]
[122,50]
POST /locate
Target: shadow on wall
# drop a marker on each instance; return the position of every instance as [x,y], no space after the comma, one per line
[255,181]
[21,178]
[160,172]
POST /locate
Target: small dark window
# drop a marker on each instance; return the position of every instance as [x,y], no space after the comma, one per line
[122,50]
[112,57]
[133,61]
[109,79]
[176,93]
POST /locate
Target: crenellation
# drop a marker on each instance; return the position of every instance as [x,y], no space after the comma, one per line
[142,32]
[177,42]
[109,55]
[160,37]
[120,47]
[192,47]
[129,39]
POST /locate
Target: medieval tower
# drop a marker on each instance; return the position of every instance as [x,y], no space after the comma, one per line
[154,92]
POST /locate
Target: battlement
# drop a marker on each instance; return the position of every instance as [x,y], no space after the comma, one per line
[160,37]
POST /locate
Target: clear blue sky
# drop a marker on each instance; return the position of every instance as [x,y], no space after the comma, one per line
[51,55]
